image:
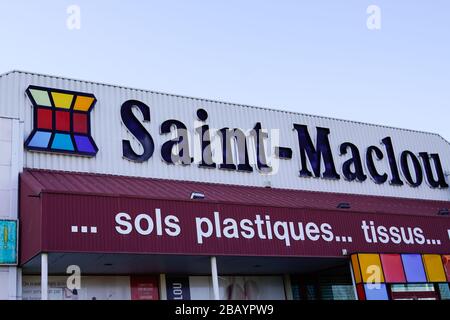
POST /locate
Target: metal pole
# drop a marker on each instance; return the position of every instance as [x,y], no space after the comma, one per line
[215,278]
[162,287]
[44,276]
[353,280]
[288,287]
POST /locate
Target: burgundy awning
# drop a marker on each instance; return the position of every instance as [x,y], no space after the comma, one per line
[79,212]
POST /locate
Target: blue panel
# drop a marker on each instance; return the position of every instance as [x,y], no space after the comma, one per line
[8,242]
[62,142]
[376,292]
[84,144]
[40,140]
[414,271]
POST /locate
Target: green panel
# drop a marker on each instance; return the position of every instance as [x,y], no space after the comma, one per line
[41,97]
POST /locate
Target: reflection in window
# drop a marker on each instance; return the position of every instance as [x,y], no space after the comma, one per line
[412,287]
[444,290]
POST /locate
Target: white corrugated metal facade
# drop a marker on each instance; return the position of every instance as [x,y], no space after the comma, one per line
[108,132]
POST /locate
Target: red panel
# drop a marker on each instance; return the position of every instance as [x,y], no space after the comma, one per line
[446,263]
[393,268]
[44,118]
[63,120]
[144,288]
[80,123]
[360,291]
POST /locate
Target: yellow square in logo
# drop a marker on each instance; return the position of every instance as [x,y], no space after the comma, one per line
[62,100]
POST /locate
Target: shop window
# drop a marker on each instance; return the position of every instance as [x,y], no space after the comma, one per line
[424,291]
[330,284]
[337,292]
[444,291]
[230,288]
[296,293]
[92,288]
[311,292]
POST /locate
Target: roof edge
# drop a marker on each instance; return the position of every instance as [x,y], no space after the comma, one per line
[30,172]
[220,102]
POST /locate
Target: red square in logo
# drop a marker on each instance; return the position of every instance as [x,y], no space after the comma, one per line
[80,123]
[44,118]
[62,120]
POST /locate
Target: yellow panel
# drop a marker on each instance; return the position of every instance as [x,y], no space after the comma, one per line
[356,270]
[371,269]
[434,268]
[62,100]
[83,103]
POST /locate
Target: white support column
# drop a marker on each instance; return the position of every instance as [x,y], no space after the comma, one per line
[288,287]
[12,285]
[353,279]
[44,276]
[162,287]
[215,278]
[19,283]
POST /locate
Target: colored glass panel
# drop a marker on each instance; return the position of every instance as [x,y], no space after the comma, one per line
[83,103]
[40,97]
[84,144]
[356,269]
[40,139]
[446,263]
[62,142]
[44,118]
[371,269]
[360,291]
[376,292]
[414,271]
[434,268]
[80,123]
[62,100]
[444,291]
[63,120]
[393,268]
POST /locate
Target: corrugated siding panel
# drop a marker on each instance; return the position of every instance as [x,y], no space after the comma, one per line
[108,133]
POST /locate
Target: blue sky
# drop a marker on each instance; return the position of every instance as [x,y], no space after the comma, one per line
[315,57]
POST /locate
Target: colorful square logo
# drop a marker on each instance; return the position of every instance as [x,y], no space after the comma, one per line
[62,122]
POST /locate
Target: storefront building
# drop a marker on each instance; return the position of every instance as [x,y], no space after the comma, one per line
[116,193]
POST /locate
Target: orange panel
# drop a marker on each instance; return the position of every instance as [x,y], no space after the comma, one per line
[83,103]
[434,268]
[356,269]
